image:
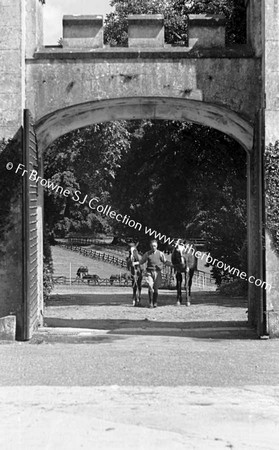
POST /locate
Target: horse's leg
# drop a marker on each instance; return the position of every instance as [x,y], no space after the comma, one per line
[150,283]
[136,287]
[191,274]
[187,287]
[139,288]
[134,290]
[178,287]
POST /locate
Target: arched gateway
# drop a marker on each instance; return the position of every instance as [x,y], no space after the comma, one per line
[83,82]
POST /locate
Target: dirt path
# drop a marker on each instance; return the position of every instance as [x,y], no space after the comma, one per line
[111,308]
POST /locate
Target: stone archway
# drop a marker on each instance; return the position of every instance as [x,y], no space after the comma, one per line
[234,90]
[60,122]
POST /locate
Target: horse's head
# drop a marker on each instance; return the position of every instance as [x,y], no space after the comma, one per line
[133,259]
[177,256]
[133,252]
[178,246]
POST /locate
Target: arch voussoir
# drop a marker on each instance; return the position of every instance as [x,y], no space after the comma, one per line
[62,121]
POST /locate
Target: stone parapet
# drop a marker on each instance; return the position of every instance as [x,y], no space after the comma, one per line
[146,30]
[273,324]
[83,31]
[206,30]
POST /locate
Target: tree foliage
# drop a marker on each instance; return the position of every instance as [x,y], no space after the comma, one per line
[180,179]
[84,161]
[175,18]
[186,181]
[272,192]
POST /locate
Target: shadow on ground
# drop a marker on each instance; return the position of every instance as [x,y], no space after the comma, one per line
[210,315]
[72,338]
[199,330]
[106,298]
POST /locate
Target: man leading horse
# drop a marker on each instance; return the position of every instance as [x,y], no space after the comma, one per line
[155,261]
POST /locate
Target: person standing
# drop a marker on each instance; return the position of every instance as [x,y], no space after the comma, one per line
[155,260]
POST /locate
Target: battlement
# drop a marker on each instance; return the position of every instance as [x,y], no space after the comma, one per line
[83,31]
[144,31]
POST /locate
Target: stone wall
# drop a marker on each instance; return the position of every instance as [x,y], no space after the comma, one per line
[271,89]
[254,25]
[57,79]
[12,67]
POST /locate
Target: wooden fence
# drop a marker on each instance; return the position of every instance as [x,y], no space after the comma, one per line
[201,280]
[94,254]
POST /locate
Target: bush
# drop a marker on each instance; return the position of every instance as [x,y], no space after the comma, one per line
[236,288]
[48,266]
[272,192]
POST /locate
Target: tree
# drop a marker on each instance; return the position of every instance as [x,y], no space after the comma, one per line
[84,161]
[185,180]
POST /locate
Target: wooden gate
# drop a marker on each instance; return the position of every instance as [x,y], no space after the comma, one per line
[29,230]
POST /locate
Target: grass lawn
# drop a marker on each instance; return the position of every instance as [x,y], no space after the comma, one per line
[65,261]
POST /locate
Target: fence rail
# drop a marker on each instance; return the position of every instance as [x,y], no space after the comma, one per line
[198,242]
[167,282]
[61,280]
[94,254]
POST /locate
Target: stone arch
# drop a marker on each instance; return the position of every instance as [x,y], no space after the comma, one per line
[60,122]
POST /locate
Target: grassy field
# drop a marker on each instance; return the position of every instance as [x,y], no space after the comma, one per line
[66,262]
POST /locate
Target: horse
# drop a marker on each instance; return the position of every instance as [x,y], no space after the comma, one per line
[81,272]
[94,279]
[136,272]
[184,262]
[125,277]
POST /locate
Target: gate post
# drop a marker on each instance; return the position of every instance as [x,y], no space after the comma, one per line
[263,36]
[255,219]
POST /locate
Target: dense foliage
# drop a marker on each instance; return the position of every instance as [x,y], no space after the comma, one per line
[176,18]
[10,212]
[47,264]
[10,192]
[272,192]
[84,161]
[185,180]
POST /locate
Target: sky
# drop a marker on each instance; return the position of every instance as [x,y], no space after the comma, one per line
[54,10]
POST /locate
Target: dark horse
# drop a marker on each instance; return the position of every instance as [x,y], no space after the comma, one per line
[136,273]
[184,262]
